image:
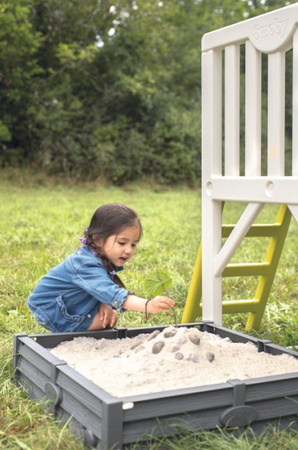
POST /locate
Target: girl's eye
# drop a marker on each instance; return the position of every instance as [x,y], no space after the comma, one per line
[124,243]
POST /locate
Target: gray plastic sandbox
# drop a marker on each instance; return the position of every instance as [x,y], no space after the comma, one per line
[106,422]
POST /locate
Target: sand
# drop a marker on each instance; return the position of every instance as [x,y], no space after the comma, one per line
[172,359]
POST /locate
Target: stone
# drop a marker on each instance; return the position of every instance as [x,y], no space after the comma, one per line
[210,356]
[179,356]
[157,347]
[153,335]
[170,332]
[140,348]
[135,345]
[194,358]
[175,348]
[194,338]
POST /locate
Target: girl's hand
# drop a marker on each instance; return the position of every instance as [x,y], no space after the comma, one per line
[108,316]
[159,303]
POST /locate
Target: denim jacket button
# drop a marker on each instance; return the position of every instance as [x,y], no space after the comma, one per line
[115,303]
[88,315]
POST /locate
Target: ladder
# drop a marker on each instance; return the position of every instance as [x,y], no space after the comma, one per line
[265,271]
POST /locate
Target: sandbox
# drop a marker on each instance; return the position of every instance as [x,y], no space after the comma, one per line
[105,420]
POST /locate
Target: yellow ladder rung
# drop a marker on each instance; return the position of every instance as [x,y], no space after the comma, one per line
[246,270]
[240,306]
[256,230]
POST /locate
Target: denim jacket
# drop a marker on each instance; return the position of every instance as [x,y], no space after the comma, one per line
[68,297]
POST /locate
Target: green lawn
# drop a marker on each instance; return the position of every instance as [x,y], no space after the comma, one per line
[40,226]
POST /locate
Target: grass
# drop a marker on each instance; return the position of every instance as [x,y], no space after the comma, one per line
[40,225]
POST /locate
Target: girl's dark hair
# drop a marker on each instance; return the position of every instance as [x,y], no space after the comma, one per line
[108,220]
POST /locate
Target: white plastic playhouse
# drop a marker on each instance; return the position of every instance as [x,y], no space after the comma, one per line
[234,61]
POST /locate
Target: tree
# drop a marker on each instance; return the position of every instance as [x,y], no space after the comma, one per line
[107,89]
[18,67]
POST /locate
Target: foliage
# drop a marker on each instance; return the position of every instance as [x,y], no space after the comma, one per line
[110,90]
[157,283]
[18,70]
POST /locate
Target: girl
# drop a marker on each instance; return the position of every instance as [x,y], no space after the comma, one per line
[83,292]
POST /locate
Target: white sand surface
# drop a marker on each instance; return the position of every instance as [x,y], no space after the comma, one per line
[172,359]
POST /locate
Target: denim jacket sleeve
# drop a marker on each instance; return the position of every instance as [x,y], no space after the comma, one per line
[92,276]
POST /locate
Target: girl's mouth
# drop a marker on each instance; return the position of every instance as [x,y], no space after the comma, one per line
[122,258]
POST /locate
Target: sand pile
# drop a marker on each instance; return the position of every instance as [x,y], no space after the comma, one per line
[172,359]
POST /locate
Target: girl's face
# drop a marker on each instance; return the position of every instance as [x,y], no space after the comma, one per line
[120,248]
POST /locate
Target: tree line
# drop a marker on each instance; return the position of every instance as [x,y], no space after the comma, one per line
[107,89]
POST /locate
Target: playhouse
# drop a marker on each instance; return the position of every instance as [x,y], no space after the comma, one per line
[234,60]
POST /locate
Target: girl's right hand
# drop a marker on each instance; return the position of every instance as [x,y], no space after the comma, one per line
[159,303]
[108,316]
